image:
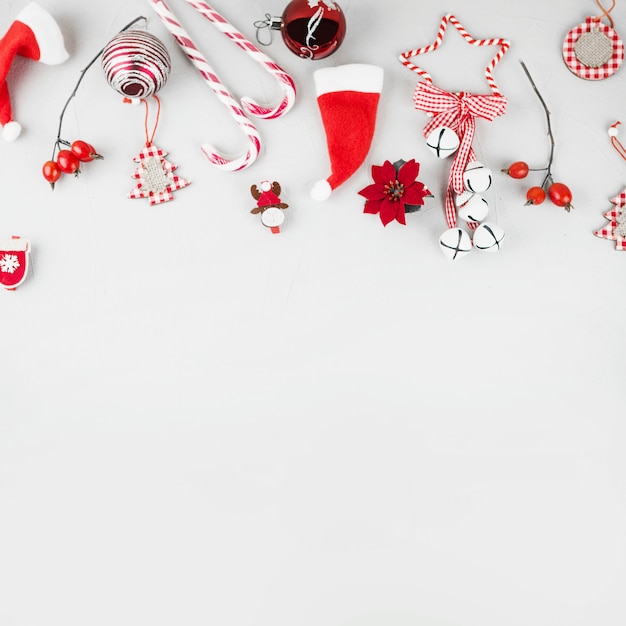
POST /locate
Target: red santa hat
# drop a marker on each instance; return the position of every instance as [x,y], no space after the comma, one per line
[347,97]
[35,35]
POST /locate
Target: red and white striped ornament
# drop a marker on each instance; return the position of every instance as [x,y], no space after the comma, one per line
[136,63]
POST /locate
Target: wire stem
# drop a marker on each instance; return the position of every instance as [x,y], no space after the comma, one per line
[548,169]
[59,142]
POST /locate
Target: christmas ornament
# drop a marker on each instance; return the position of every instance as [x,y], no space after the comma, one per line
[136,63]
[221,91]
[34,35]
[443,142]
[457,111]
[14,262]
[155,175]
[395,191]
[559,194]
[615,229]
[313,29]
[347,97]
[472,207]
[68,156]
[488,237]
[593,50]
[269,204]
[455,243]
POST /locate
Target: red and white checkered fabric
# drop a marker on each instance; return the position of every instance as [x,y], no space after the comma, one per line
[457,111]
[153,157]
[584,71]
[609,231]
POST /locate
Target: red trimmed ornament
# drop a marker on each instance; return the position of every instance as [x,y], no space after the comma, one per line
[593,50]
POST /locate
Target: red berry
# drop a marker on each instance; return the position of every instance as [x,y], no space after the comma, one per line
[560,195]
[68,162]
[519,169]
[51,172]
[84,151]
[535,195]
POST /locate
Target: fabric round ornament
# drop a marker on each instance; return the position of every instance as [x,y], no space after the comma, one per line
[313,29]
[136,64]
[593,50]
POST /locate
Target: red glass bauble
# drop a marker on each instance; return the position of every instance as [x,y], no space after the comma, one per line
[313,29]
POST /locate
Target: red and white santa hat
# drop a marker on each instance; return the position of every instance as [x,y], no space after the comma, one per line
[347,97]
[35,35]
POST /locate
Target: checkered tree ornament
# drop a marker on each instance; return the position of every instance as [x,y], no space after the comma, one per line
[155,176]
[615,229]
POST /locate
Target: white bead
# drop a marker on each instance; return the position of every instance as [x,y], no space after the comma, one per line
[613,132]
[455,243]
[475,209]
[477,177]
[488,237]
[443,142]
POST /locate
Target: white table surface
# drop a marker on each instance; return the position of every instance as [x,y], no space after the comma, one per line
[204,423]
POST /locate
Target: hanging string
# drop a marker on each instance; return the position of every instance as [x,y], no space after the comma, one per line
[271,23]
[149,137]
[605,12]
[615,142]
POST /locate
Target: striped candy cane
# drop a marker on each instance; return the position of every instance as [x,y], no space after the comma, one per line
[286,82]
[206,71]
[502,43]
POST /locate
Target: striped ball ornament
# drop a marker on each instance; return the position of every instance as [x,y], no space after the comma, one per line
[136,63]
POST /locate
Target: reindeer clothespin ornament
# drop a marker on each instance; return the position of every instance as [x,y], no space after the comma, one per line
[269,204]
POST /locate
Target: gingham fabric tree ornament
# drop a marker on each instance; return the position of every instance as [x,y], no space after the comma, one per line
[455,113]
[615,229]
[155,175]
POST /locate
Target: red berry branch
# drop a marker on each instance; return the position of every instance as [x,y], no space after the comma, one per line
[559,193]
[67,156]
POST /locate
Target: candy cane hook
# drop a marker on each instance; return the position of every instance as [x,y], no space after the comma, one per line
[286,82]
[206,71]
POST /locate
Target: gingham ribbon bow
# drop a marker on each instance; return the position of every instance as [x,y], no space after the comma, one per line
[457,111]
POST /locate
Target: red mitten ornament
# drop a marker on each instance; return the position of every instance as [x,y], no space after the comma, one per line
[34,35]
[14,260]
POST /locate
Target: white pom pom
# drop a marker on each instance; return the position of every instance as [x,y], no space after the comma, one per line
[11,131]
[321,190]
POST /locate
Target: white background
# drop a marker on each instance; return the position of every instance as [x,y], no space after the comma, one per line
[204,423]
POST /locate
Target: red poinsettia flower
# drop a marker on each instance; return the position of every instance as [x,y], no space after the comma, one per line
[394,190]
